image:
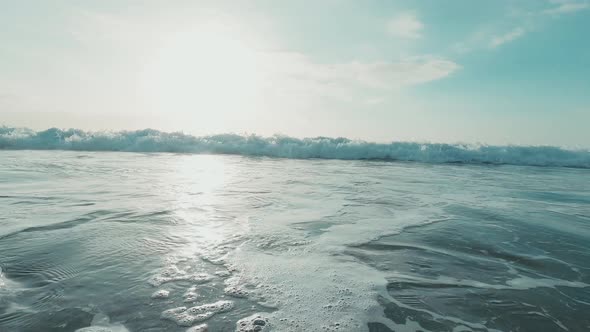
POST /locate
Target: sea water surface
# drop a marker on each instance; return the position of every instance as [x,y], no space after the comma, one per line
[122,241]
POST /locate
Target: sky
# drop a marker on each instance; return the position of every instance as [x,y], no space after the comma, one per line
[494,71]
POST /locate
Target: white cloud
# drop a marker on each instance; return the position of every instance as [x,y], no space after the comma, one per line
[405,25]
[566,7]
[300,72]
[507,37]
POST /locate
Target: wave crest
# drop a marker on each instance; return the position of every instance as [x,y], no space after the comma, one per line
[150,140]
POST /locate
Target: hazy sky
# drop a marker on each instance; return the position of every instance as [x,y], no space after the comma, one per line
[445,71]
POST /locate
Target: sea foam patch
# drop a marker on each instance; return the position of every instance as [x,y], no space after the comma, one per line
[333,293]
[184,316]
[235,287]
[309,281]
[173,273]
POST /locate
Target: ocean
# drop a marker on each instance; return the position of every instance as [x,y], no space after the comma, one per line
[150,231]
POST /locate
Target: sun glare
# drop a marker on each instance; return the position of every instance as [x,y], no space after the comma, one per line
[207,73]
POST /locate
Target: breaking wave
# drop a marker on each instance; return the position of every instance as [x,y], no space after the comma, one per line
[150,140]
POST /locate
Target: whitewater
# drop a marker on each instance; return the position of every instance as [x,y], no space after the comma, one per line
[152,231]
[150,140]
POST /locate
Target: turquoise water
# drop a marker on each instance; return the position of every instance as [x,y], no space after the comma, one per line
[162,242]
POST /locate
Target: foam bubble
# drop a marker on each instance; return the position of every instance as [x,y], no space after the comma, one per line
[173,273]
[234,288]
[184,316]
[190,295]
[254,323]
[235,291]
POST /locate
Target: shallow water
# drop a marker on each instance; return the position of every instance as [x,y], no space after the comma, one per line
[124,241]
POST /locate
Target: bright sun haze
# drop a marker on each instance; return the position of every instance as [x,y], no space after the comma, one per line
[207,73]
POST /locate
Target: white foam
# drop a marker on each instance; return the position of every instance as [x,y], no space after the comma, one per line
[191,295]
[235,291]
[313,291]
[161,294]
[173,273]
[234,288]
[184,316]
[102,323]
[310,280]
[254,323]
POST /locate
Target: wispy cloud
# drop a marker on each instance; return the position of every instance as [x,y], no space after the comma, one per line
[507,37]
[405,25]
[566,7]
[300,74]
[517,24]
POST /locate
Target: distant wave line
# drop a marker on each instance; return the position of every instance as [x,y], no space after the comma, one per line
[150,140]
